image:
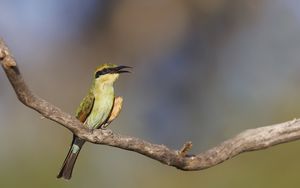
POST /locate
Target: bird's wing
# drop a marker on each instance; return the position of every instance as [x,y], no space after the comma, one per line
[85,107]
[118,102]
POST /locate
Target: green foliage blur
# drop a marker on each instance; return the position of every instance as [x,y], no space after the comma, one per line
[204,70]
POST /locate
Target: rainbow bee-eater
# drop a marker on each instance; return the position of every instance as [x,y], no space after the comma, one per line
[97,110]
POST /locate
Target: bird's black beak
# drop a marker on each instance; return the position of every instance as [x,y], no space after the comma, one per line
[120,69]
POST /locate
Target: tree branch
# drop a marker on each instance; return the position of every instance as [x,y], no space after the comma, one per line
[248,140]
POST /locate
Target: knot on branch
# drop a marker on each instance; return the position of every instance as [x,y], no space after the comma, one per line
[3,54]
[5,57]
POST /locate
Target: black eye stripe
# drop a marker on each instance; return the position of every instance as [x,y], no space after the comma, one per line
[98,73]
[102,72]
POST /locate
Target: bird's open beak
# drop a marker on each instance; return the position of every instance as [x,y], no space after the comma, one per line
[120,69]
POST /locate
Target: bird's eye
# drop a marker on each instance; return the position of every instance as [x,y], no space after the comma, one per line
[98,74]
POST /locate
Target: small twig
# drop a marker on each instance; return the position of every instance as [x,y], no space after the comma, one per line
[249,140]
[185,149]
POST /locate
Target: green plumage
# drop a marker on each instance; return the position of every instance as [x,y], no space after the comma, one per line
[94,110]
[85,106]
[103,103]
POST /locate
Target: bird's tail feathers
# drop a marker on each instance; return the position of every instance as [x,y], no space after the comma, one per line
[68,165]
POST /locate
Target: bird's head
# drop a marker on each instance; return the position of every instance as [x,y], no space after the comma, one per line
[109,73]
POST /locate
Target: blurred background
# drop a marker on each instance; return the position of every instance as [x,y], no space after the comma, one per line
[204,70]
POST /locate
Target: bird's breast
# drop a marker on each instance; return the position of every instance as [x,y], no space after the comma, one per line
[103,104]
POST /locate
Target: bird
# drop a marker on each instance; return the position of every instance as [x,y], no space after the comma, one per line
[97,110]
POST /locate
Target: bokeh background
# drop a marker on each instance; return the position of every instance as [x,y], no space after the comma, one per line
[204,70]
